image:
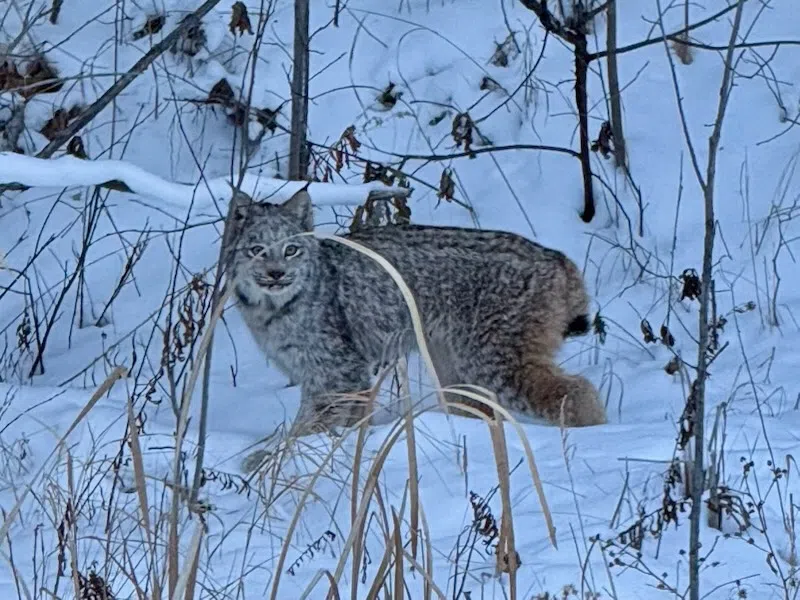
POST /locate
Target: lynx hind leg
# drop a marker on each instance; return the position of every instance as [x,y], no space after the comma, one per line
[561,398]
[446,373]
[449,374]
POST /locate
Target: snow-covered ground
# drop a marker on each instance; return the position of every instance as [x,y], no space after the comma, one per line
[110,306]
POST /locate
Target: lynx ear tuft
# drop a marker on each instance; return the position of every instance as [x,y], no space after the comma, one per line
[239,213]
[300,206]
[241,206]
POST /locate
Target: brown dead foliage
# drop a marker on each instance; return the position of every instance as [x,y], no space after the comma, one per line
[462,130]
[673,366]
[240,20]
[60,121]
[389,96]
[666,336]
[222,93]
[692,286]
[447,187]
[466,134]
[488,84]
[340,151]
[647,332]
[36,77]
[92,586]
[604,143]
[377,212]
[505,51]
[378,172]
[374,211]
[152,25]
[238,114]
[192,39]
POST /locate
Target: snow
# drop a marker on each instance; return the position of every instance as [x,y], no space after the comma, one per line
[70,171]
[177,159]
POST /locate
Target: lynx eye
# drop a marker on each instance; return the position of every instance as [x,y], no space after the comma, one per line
[255,250]
[291,250]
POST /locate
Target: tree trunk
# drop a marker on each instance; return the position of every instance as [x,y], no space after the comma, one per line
[298,146]
[613,84]
[581,101]
[707,286]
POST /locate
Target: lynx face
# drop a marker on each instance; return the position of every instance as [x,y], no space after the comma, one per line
[272,260]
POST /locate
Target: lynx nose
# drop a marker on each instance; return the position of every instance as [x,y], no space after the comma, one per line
[276,274]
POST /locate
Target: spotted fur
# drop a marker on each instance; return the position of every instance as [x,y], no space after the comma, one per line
[496,308]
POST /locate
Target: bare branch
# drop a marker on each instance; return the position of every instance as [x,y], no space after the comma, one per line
[675,35]
[137,69]
[548,21]
[484,150]
[707,288]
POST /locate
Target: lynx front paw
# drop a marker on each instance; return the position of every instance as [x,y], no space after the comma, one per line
[253,461]
[341,411]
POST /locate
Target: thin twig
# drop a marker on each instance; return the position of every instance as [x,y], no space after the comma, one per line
[137,69]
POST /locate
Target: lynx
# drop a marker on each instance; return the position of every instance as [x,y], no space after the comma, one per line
[495,307]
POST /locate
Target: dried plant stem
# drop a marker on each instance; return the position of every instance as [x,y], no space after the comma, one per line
[115,375]
[180,433]
[506,548]
[484,397]
[705,304]
[411,444]
[141,490]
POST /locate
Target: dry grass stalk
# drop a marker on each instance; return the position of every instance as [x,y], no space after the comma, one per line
[181,588]
[483,396]
[384,522]
[506,550]
[411,445]
[18,577]
[73,526]
[357,532]
[180,433]
[141,490]
[399,572]
[426,575]
[333,591]
[173,559]
[194,565]
[356,475]
[307,491]
[115,375]
[380,576]
[426,537]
